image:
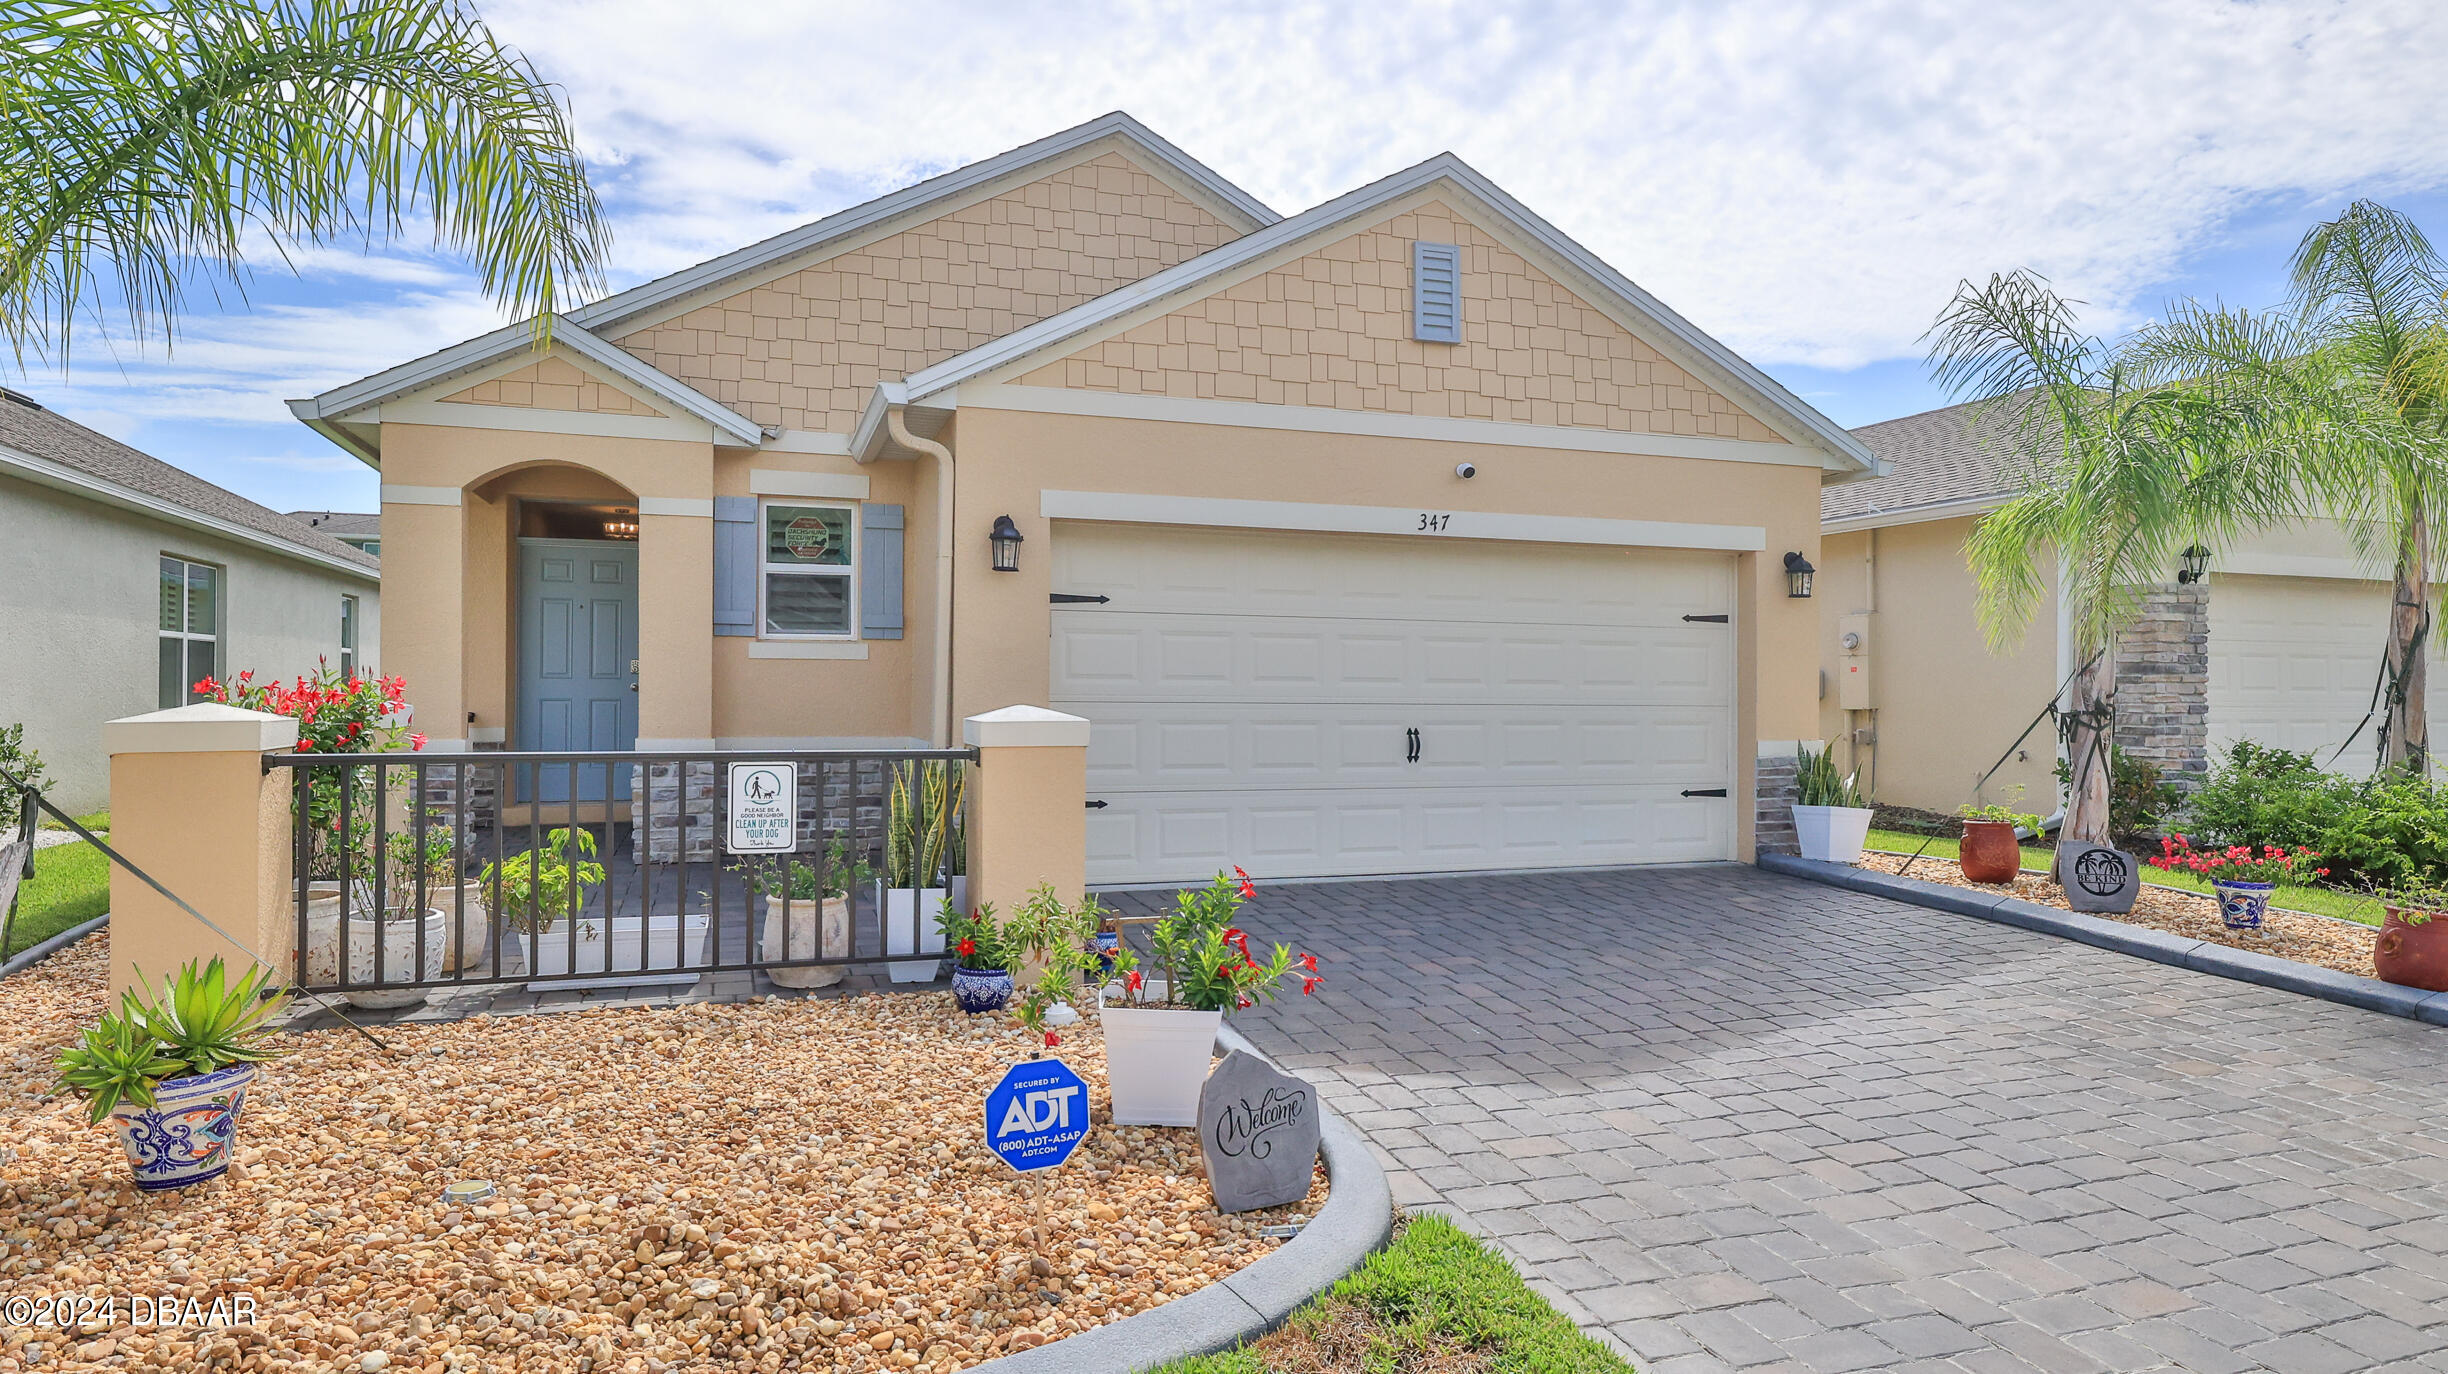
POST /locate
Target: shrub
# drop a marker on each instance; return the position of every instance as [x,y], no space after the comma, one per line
[2140,800]
[24,763]
[2390,829]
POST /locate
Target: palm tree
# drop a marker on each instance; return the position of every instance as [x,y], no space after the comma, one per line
[2356,368]
[145,142]
[2121,477]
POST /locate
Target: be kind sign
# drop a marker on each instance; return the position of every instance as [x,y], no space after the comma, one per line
[1037,1115]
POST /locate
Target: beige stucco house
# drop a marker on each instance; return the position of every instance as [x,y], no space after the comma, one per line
[2280,643]
[1398,535]
[124,580]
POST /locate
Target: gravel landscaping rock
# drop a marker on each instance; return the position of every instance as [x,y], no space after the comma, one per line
[2306,939]
[782,1184]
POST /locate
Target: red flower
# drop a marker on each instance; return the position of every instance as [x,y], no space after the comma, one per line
[967,948]
[1309,962]
[416,741]
[1309,985]
[1134,982]
[1052,1040]
[1247,1003]
[1248,888]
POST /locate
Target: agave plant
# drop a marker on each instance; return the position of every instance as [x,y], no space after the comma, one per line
[919,836]
[200,1023]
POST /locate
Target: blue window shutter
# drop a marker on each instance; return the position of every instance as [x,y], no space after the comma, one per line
[735,565]
[1436,292]
[880,572]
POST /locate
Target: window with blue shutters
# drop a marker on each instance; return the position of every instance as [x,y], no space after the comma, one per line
[1436,292]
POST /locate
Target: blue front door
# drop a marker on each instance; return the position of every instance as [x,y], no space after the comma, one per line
[578,616]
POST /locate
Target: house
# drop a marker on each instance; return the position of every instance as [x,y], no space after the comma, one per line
[2279,643]
[356,529]
[1401,534]
[123,581]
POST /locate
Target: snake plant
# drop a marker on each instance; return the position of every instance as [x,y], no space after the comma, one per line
[925,815]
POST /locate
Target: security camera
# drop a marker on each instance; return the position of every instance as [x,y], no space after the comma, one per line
[1466,471]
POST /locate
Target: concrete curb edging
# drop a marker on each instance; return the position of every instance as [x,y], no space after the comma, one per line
[2202,956]
[30,957]
[1356,1222]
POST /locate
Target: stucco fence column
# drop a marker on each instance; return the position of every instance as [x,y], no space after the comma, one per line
[1028,817]
[193,806]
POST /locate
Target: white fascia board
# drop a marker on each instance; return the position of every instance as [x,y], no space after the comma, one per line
[611,310]
[503,344]
[1185,278]
[1916,515]
[867,436]
[61,477]
[1137,508]
[337,433]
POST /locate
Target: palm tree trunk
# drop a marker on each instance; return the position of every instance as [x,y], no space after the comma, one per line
[2407,742]
[2086,818]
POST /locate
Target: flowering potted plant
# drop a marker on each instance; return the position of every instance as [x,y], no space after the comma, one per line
[2411,949]
[172,1071]
[1160,1035]
[2242,877]
[1992,852]
[798,938]
[1830,818]
[981,957]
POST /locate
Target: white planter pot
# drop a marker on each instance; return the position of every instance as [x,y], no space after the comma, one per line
[802,940]
[1156,1062]
[323,930]
[1833,834]
[909,928]
[631,945]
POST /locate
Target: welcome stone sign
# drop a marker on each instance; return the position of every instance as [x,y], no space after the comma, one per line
[1258,1131]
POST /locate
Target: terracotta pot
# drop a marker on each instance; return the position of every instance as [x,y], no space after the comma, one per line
[2413,954]
[1991,853]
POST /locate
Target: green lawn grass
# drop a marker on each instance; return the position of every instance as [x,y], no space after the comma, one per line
[2320,901]
[1433,1290]
[71,883]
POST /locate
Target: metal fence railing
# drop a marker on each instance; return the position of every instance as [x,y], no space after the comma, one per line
[434,871]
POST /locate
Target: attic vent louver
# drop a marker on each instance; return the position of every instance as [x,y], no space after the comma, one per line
[1436,293]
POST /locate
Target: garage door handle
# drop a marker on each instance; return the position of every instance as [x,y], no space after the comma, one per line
[1708,619]
[1704,791]
[1076,598]
[1098,805]
[1412,735]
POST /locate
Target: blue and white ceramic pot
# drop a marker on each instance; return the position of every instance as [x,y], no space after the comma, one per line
[2242,905]
[1108,944]
[185,1137]
[981,990]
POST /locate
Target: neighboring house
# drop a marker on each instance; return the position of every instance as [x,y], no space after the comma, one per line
[354,528]
[748,505]
[124,580]
[2280,644]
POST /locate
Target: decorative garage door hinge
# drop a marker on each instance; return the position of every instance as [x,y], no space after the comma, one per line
[1704,791]
[1073,598]
[1708,619]
[1097,805]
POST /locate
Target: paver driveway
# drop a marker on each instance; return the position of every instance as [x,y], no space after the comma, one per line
[1738,1120]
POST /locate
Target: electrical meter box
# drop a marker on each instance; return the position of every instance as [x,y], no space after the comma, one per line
[1853,662]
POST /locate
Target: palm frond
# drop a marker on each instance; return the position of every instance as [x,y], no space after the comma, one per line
[147,143]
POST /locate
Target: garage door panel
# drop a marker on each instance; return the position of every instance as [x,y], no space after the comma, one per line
[1224,658]
[1254,699]
[2292,663]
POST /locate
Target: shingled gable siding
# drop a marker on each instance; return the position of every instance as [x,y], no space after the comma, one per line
[2163,684]
[804,350]
[554,384]
[1334,329]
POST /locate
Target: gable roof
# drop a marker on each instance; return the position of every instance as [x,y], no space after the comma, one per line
[1711,360]
[45,446]
[579,327]
[1941,463]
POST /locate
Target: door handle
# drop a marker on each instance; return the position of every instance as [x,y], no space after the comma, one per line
[1412,735]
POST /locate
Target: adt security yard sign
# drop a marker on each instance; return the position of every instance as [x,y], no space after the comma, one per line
[764,808]
[1037,1115]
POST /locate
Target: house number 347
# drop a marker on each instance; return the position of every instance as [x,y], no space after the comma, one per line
[1433,524]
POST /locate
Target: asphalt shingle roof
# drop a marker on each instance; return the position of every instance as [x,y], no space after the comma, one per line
[1935,457]
[37,432]
[341,523]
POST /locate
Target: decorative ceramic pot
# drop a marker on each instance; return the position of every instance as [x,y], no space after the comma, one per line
[2242,905]
[470,930]
[1108,946]
[1991,853]
[184,1138]
[1832,834]
[1156,1061]
[798,939]
[981,990]
[2413,953]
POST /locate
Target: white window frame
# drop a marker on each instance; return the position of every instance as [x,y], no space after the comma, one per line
[352,629]
[847,575]
[220,585]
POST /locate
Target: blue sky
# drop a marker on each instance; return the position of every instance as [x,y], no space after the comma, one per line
[1805,181]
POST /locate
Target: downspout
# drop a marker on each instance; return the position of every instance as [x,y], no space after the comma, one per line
[893,422]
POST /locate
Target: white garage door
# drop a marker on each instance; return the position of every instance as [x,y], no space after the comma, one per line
[2293,660]
[1312,705]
